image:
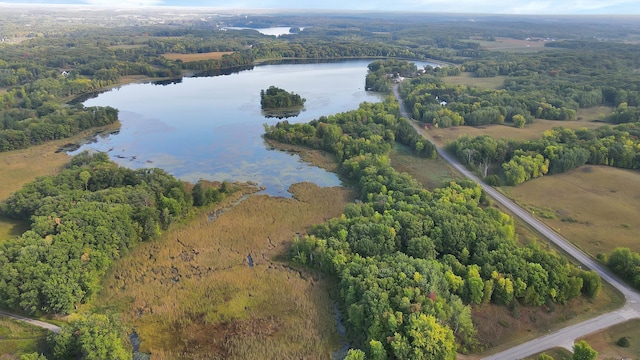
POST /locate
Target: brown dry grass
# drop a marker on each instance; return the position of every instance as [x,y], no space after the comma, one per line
[596,113]
[500,328]
[594,207]
[21,166]
[533,131]
[215,55]
[604,342]
[191,294]
[468,79]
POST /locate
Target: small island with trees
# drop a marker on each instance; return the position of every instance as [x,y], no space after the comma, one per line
[276,102]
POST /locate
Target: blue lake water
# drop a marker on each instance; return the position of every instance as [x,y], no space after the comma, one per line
[211,127]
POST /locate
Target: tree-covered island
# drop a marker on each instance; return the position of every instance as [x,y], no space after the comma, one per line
[276,98]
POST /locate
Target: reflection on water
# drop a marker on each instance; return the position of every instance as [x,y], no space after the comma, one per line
[211,127]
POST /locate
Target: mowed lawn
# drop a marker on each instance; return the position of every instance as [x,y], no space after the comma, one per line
[595,207]
[215,55]
[195,294]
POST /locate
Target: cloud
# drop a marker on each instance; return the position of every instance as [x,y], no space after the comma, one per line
[124,3]
[525,7]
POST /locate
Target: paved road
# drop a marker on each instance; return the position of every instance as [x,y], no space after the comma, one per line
[38,323]
[566,336]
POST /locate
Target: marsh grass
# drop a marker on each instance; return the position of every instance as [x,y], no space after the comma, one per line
[594,207]
[17,338]
[318,158]
[193,295]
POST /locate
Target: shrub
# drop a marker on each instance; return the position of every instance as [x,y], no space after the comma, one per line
[623,342]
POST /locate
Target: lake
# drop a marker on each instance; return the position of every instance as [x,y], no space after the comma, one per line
[211,127]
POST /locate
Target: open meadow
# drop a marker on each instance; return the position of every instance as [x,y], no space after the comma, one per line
[431,173]
[605,341]
[595,207]
[467,79]
[215,55]
[443,136]
[221,287]
[513,45]
[17,338]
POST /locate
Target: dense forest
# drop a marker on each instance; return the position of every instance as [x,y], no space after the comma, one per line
[410,261]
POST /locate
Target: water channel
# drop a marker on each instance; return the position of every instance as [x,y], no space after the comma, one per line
[211,127]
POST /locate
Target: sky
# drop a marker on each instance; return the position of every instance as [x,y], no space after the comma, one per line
[560,7]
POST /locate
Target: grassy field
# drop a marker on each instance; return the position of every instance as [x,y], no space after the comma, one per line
[604,342]
[197,57]
[193,294]
[468,79]
[17,338]
[555,353]
[444,136]
[500,328]
[513,45]
[595,207]
[431,173]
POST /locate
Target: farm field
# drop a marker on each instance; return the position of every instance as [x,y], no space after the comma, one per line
[197,57]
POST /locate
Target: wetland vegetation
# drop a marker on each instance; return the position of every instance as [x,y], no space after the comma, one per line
[132,247]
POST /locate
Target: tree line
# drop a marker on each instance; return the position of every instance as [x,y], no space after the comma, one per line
[557,151]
